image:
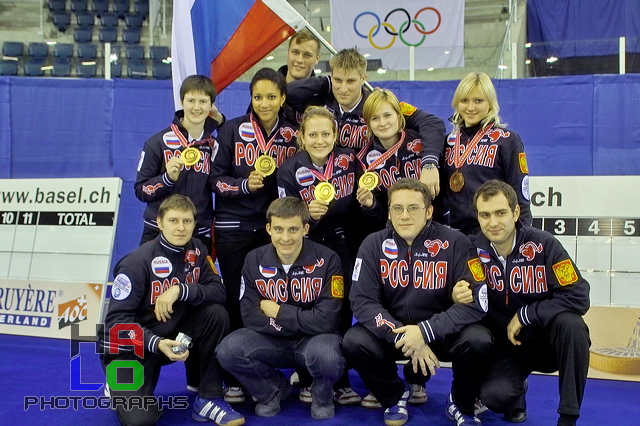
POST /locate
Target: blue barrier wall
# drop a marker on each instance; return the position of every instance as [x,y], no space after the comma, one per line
[53,128]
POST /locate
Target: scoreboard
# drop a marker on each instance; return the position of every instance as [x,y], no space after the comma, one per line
[597,220]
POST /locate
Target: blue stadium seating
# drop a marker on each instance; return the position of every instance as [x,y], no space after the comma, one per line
[100,7]
[87,51]
[8,67]
[86,71]
[85,19]
[82,35]
[141,7]
[61,69]
[136,69]
[121,7]
[158,53]
[38,50]
[33,68]
[79,5]
[63,51]
[109,20]
[135,52]
[131,36]
[116,69]
[62,20]
[161,71]
[133,20]
[108,35]
[12,48]
[56,5]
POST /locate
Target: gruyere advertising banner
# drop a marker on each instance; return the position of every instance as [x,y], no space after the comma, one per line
[48,308]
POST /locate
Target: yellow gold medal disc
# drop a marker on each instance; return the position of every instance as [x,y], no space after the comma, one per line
[190,156]
[368,180]
[456,181]
[265,165]
[324,192]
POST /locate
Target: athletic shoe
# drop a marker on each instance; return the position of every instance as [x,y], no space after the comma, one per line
[398,414]
[234,395]
[305,395]
[515,416]
[294,380]
[370,401]
[479,407]
[192,388]
[346,396]
[461,419]
[216,410]
[418,395]
[322,412]
[272,408]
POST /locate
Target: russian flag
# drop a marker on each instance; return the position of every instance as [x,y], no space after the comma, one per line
[223,39]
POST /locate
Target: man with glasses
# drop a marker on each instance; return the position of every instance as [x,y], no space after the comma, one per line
[401,296]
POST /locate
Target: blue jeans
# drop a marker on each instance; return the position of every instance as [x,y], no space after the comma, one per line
[253,358]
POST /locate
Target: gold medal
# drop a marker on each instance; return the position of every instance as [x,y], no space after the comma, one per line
[368,180]
[324,192]
[456,181]
[190,156]
[265,165]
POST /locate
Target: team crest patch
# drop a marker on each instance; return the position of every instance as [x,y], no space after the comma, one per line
[281,192]
[483,298]
[390,248]
[476,268]
[161,267]
[337,286]
[434,246]
[171,140]
[522,159]
[373,156]
[304,176]
[407,109]
[212,265]
[121,287]
[565,272]
[483,255]
[246,132]
[268,271]
[356,270]
[529,250]
[525,188]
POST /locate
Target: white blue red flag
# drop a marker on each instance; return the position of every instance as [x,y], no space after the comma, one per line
[223,39]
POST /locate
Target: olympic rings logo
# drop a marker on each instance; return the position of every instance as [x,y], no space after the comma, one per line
[404,27]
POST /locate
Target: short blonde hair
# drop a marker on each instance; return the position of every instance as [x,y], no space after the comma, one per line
[349,59]
[315,112]
[482,82]
[375,100]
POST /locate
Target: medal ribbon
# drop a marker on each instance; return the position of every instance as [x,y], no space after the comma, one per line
[264,146]
[184,142]
[328,171]
[385,156]
[460,158]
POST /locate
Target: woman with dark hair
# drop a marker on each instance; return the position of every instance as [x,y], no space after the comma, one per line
[251,148]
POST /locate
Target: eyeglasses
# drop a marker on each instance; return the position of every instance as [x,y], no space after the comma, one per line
[413,209]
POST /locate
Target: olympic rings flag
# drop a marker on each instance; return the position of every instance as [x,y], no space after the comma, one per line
[386,30]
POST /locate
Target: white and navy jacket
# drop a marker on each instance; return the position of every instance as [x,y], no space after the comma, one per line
[153,184]
[499,155]
[310,294]
[147,272]
[236,207]
[351,125]
[396,285]
[539,280]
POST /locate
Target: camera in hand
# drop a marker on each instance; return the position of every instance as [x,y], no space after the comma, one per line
[185,343]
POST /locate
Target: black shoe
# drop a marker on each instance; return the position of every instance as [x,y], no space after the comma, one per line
[515,416]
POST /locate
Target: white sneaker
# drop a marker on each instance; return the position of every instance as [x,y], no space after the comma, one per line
[294,380]
[305,395]
[233,395]
[418,395]
[370,401]
[346,396]
[192,389]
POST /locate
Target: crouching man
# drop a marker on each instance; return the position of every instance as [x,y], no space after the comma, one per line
[290,299]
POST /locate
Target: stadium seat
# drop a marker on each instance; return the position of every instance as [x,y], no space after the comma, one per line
[133,20]
[158,53]
[86,71]
[38,50]
[121,7]
[33,68]
[135,52]
[12,48]
[161,71]
[131,36]
[108,35]
[79,5]
[85,19]
[87,51]
[61,69]
[136,69]
[100,7]
[62,20]
[8,67]
[56,5]
[82,35]
[116,69]
[141,7]
[63,51]
[109,20]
